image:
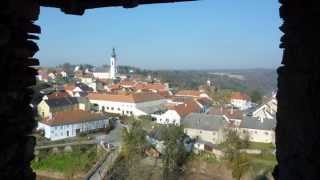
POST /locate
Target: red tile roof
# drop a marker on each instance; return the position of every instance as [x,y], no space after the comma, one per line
[130,98]
[230,113]
[58,94]
[151,86]
[191,93]
[186,108]
[72,117]
[239,95]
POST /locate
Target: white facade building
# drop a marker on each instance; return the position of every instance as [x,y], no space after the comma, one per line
[258,130]
[112,74]
[240,101]
[69,124]
[205,128]
[135,104]
[176,111]
[101,75]
[113,64]
[169,117]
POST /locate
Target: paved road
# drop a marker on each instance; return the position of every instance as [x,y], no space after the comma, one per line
[114,137]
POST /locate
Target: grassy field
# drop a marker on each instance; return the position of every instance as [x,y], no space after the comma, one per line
[263,161]
[66,163]
[262,146]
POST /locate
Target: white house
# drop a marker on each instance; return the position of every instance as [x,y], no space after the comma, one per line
[52,76]
[136,104]
[241,101]
[170,116]
[266,110]
[63,74]
[70,123]
[205,128]
[258,130]
[176,111]
[101,75]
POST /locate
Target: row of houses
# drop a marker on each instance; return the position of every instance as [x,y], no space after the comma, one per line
[210,129]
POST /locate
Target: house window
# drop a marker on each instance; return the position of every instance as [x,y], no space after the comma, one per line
[119,109]
[266,133]
[200,132]
[107,107]
[112,108]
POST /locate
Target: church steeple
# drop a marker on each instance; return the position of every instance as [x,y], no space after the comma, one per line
[113,53]
[113,64]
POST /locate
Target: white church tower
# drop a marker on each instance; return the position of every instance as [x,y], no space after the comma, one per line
[113,64]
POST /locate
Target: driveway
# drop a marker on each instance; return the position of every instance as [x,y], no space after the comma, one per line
[114,137]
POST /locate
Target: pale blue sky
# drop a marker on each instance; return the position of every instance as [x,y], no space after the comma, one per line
[207,34]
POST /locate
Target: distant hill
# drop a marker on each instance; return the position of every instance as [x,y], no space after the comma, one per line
[264,80]
[245,80]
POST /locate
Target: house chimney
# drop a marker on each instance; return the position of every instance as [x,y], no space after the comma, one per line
[231,110]
[221,109]
[185,105]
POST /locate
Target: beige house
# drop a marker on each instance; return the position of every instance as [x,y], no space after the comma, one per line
[205,128]
[50,105]
[259,130]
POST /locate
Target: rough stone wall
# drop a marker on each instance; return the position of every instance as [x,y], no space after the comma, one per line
[17,32]
[297,132]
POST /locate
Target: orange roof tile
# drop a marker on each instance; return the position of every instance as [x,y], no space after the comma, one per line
[192,93]
[71,117]
[130,98]
[58,94]
[186,108]
[239,95]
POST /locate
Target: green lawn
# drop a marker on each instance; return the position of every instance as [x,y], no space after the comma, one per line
[204,156]
[262,146]
[76,161]
[263,161]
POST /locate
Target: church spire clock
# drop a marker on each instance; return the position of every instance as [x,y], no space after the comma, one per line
[113,65]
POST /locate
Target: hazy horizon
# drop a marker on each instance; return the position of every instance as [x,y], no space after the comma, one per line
[193,35]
